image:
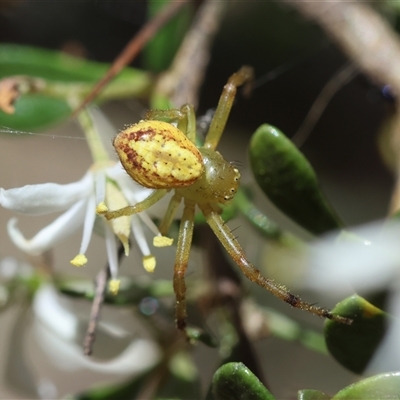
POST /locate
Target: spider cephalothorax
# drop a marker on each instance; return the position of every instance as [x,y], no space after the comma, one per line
[161,156]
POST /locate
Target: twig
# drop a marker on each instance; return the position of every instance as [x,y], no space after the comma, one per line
[133,48]
[341,78]
[100,284]
[181,83]
[371,44]
[366,38]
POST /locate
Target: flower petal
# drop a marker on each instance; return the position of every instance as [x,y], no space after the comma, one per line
[133,192]
[57,337]
[112,251]
[47,307]
[120,226]
[88,224]
[387,357]
[52,234]
[47,197]
[363,264]
[139,236]
[100,186]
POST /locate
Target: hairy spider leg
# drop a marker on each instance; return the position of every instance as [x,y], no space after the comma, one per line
[182,253]
[244,75]
[138,207]
[185,116]
[237,254]
[181,262]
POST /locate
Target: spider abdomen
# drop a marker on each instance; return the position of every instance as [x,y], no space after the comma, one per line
[158,155]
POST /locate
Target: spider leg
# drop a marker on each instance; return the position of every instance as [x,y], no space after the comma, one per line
[185,116]
[170,214]
[234,249]
[138,207]
[244,75]
[181,262]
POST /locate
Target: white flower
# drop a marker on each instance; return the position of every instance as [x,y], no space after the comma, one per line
[365,260]
[103,183]
[59,332]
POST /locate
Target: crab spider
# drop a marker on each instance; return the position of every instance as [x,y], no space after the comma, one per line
[161,156]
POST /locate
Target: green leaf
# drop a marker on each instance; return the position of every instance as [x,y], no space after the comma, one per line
[33,111]
[64,76]
[289,181]
[56,66]
[310,394]
[160,51]
[235,381]
[383,386]
[126,390]
[354,345]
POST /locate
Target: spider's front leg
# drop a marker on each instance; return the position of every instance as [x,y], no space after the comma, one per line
[245,75]
[234,249]
[181,262]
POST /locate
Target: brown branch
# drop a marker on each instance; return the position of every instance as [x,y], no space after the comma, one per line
[132,49]
[371,44]
[366,38]
[100,283]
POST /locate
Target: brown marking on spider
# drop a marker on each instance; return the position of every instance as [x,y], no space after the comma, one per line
[157,155]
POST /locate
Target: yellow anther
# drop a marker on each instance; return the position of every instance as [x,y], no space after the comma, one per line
[113,286]
[120,226]
[162,241]
[79,261]
[149,263]
[101,208]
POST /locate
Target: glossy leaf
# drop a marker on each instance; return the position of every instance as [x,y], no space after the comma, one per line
[383,386]
[354,345]
[235,381]
[310,394]
[69,75]
[289,181]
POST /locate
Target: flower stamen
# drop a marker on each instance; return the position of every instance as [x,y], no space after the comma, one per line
[113,286]
[79,261]
[162,241]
